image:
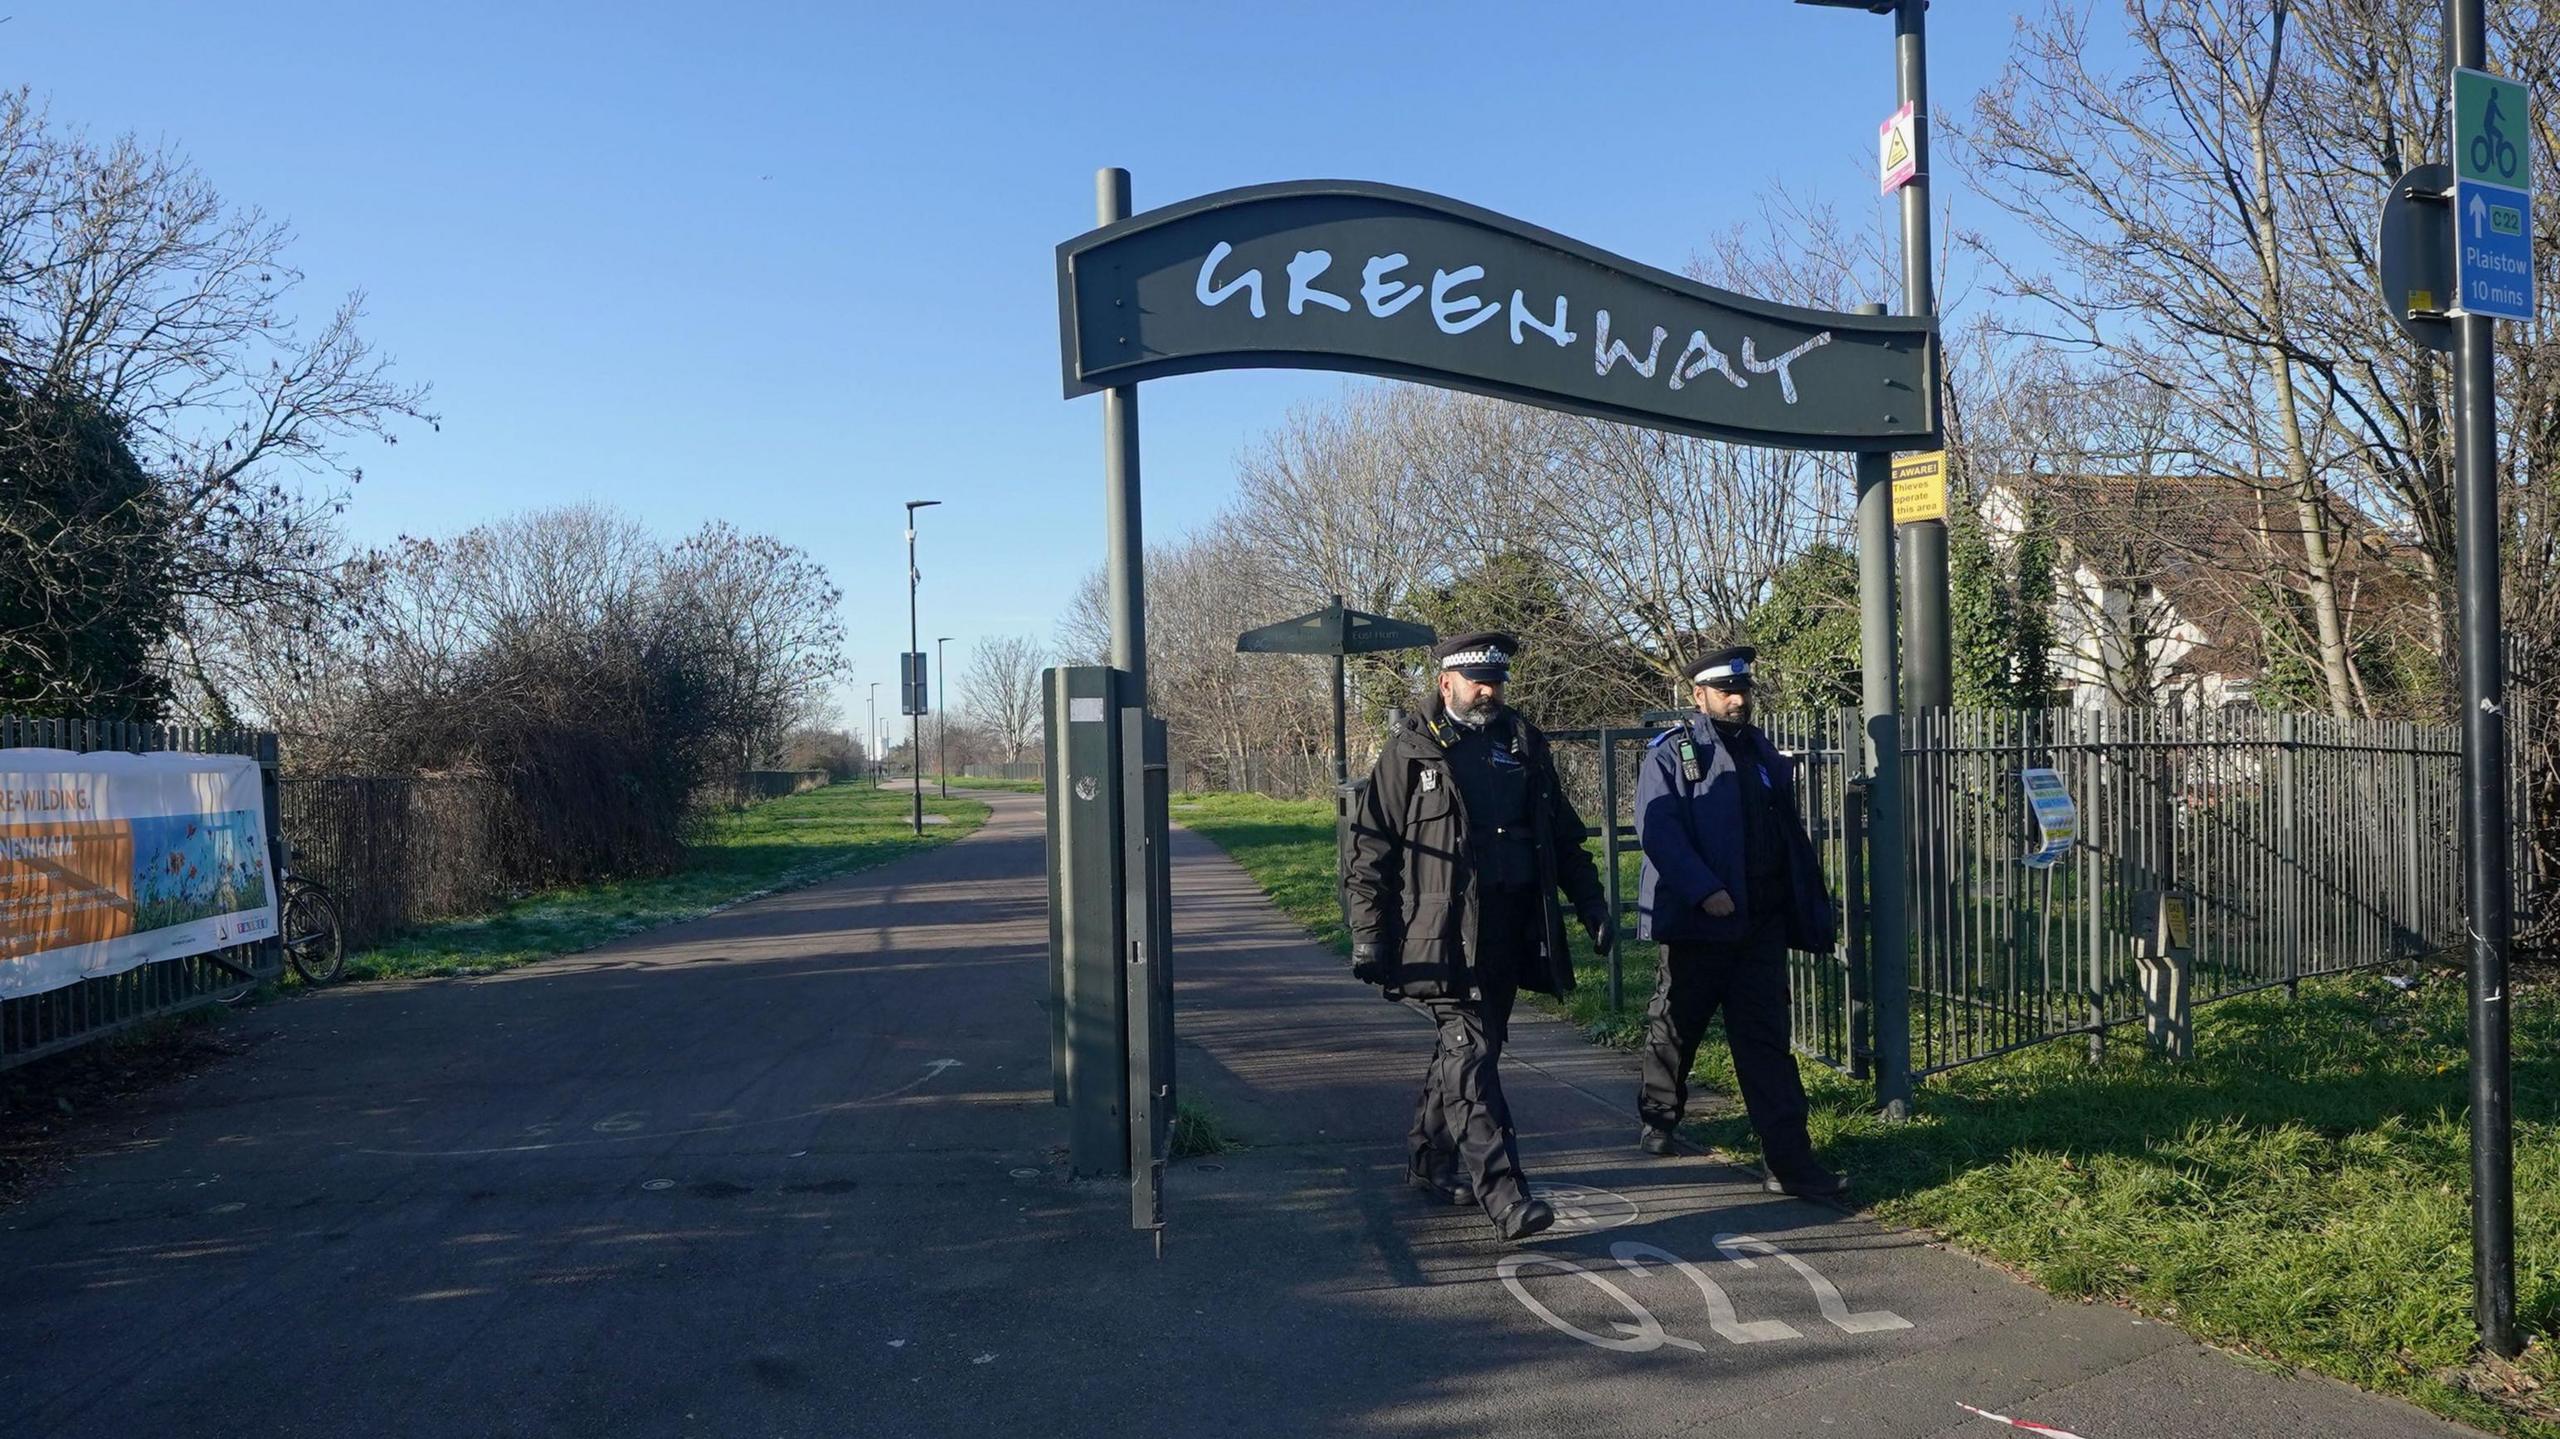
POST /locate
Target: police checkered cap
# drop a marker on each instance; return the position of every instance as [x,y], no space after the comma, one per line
[1486,654]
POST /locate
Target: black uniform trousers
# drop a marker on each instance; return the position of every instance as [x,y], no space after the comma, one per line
[1747,979]
[1462,1123]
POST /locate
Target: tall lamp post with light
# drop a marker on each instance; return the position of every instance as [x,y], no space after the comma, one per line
[942,720]
[916,690]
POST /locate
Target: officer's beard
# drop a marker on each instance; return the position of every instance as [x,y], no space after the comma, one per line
[1475,716]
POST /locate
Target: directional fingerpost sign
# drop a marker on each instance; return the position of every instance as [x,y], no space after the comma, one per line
[2492,198]
[1898,150]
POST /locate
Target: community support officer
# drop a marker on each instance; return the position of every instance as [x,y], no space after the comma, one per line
[1730,883]
[1457,851]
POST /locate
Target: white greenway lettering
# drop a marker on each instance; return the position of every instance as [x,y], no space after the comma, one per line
[1825,1293]
[1607,352]
[1786,376]
[1522,317]
[1304,269]
[1720,1316]
[1457,314]
[1250,281]
[1385,296]
[1642,1337]
[1454,312]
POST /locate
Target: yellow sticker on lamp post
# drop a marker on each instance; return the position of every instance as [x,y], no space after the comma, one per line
[1920,487]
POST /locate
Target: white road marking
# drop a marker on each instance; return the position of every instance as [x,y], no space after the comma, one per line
[1720,1316]
[1642,1337]
[1825,1293]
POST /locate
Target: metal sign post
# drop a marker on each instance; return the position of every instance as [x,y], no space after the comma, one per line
[1888,950]
[1336,631]
[2491,135]
[911,668]
[1928,655]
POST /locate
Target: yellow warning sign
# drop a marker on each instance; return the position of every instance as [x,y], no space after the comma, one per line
[1897,150]
[1920,487]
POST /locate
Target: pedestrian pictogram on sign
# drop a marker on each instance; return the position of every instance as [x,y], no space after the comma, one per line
[1898,150]
[2492,198]
[1920,487]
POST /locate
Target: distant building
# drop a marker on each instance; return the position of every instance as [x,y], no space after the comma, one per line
[2161,585]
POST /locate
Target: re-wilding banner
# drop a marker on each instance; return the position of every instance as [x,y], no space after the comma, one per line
[111,861]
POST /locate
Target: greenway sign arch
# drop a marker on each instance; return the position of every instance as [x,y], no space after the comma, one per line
[1401,284]
[1381,280]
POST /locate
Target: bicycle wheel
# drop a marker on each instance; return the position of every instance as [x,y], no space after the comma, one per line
[312,938]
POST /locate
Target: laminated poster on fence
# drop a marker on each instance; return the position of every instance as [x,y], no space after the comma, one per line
[112,861]
[2057,817]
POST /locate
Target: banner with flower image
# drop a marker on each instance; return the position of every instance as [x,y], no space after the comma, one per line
[111,861]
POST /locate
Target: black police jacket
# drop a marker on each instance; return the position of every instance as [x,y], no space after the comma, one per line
[1408,884]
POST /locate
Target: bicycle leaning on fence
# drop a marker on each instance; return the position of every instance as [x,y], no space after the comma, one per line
[314,942]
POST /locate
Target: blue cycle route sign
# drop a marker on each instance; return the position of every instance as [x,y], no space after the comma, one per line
[2492,198]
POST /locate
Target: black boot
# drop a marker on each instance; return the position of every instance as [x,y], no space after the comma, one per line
[1804,1179]
[1438,1176]
[1529,1216]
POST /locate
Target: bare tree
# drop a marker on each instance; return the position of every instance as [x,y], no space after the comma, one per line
[1003,693]
[129,286]
[2174,195]
[774,613]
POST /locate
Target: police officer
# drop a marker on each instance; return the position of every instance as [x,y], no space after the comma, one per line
[1457,851]
[1730,883]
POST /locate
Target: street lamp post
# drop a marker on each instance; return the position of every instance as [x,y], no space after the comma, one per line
[915,647]
[872,735]
[942,720]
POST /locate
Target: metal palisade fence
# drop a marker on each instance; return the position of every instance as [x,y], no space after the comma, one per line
[35,1025]
[2305,845]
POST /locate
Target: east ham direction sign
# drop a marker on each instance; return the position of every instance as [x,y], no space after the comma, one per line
[1381,280]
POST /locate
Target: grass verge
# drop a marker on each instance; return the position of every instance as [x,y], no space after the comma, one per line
[781,844]
[1010,786]
[2296,1193]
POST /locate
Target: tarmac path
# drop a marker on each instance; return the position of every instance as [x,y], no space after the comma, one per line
[792,1169]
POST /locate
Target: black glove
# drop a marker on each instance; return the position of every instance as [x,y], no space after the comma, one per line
[1374,964]
[1603,932]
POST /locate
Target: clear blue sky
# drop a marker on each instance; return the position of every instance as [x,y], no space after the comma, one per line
[790,264]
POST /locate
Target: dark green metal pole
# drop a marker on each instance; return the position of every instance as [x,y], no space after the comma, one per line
[1889,943]
[2485,858]
[1928,672]
[1124,553]
[942,722]
[915,654]
[1341,717]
